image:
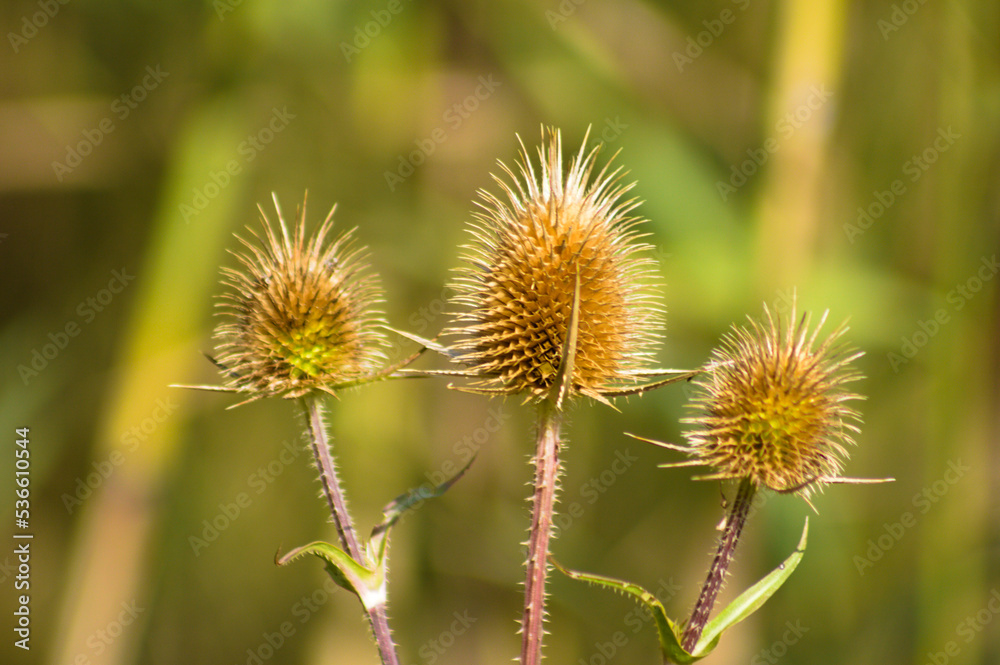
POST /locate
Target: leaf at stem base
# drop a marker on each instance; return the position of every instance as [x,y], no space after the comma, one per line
[671,632]
[366,579]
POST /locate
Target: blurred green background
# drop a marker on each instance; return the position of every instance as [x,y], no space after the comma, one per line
[844,151]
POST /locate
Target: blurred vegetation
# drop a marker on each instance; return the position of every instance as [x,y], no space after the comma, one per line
[828,106]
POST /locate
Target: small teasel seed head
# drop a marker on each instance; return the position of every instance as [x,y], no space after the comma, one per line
[772,406]
[549,230]
[300,313]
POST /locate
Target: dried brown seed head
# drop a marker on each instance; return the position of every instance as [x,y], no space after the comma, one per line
[529,250]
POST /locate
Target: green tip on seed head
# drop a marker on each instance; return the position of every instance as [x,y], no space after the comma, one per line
[772,406]
[301,312]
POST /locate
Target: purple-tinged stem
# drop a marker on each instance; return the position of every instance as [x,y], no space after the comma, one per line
[720,565]
[547,470]
[320,444]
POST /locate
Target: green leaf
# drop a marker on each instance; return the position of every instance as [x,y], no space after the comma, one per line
[366,579]
[750,600]
[413,498]
[670,633]
[368,584]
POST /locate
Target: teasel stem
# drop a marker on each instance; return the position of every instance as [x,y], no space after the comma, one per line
[320,444]
[720,565]
[547,471]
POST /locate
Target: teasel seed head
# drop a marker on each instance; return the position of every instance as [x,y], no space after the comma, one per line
[773,408]
[301,312]
[551,235]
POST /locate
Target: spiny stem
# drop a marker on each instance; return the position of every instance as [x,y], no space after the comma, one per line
[720,565]
[320,444]
[546,477]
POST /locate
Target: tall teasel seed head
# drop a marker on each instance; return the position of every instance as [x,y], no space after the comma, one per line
[772,406]
[301,313]
[551,231]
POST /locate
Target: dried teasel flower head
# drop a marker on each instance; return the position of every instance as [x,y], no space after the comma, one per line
[300,313]
[772,406]
[557,254]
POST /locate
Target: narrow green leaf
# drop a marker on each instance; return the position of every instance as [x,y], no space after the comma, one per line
[669,632]
[367,584]
[408,500]
[395,508]
[367,579]
[750,600]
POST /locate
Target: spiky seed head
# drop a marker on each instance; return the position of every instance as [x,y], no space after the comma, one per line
[772,406]
[529,249]
[301,313]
